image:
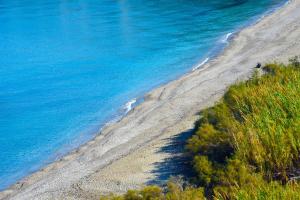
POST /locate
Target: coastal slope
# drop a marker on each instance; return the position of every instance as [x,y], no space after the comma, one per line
[125,154]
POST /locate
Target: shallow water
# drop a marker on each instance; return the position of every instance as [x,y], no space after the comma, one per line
[67,67]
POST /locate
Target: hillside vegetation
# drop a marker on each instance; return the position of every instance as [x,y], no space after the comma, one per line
[247,146]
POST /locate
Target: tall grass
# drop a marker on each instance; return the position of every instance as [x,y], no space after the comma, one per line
[252,136]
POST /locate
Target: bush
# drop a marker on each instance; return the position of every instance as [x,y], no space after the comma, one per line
[176,192]
[173,192]
[253,132]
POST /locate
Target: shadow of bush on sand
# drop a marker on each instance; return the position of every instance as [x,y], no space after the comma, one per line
[177,164]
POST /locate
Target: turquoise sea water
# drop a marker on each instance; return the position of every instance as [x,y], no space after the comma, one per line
[68,67]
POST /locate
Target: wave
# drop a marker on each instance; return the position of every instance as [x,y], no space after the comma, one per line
[129,105]
[227,37]
[201,64]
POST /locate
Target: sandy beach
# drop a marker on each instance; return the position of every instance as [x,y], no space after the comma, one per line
[139,148]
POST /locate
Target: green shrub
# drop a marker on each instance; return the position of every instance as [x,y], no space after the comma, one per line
[253,132]
[204,170]
[173,192]
[176,192]
[269,191]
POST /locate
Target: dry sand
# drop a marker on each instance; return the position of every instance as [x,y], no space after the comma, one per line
[133,151]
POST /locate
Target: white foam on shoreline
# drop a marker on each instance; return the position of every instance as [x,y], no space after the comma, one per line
[129,105]
[227,37]
[201,64]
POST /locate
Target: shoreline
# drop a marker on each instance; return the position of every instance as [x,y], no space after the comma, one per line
[132,103]
[167,106]
[225,42]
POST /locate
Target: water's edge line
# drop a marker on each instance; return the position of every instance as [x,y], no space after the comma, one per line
[200,66]
[130,105]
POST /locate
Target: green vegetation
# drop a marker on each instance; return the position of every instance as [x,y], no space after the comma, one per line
[247,146]
[174,191]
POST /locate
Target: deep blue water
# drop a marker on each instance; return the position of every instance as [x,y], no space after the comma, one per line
[67,67]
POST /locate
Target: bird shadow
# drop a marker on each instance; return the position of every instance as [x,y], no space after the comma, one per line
[177,164]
